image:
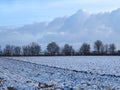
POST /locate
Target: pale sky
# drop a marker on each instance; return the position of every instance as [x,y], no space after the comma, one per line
[20,12]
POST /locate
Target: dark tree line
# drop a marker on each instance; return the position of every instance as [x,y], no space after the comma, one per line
[53,49]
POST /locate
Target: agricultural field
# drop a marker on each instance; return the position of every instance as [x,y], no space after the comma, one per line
[95,64]
[60,73]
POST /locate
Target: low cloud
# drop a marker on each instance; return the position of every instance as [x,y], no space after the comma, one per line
[77,28]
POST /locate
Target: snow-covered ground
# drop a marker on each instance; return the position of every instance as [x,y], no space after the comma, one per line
[98,64]
[43,73]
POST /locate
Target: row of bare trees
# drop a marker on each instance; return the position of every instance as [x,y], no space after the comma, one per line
[33,49]
[99,49]
[53,49]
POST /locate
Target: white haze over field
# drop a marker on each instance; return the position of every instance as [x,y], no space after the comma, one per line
[75,29]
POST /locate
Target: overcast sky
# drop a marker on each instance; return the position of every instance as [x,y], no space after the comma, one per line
[19,12]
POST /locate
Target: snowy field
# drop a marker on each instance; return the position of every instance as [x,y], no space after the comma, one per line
[60,73]
[95,64]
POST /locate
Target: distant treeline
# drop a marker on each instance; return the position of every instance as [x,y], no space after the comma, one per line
[53,49]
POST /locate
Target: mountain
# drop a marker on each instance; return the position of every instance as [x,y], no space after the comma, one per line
[77,28]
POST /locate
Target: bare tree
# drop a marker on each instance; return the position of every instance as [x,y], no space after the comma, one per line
[53,48]
[35,48]
[68,50]
[98,47]
[106,48]
[112,48]
[85,49]
[17,51]
[26,50]
[9,50]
